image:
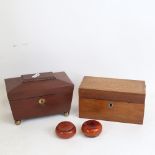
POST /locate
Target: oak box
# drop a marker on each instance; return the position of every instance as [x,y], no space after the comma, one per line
[112,99]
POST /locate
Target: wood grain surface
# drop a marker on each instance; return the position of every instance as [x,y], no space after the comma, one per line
[55,90]
[112,99]
[114,85]
[111,111]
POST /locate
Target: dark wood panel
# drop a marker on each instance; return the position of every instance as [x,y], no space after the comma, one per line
[53,92]
[29,108]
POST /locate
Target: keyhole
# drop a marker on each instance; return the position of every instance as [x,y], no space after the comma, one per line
[110,105]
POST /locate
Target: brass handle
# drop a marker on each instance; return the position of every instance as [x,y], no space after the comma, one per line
[42,101]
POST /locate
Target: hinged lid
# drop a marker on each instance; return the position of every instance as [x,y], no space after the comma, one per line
[113,89]
[33,85]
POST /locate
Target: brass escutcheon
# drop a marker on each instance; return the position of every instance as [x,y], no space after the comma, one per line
[42,101]
[110,105]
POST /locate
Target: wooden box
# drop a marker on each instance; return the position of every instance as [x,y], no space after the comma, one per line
[112,99]
[39,95]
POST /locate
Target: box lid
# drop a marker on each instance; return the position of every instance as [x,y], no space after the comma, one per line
[112,89]
[39,84]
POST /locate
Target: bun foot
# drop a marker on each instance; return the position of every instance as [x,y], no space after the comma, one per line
[66,113]
[17,122]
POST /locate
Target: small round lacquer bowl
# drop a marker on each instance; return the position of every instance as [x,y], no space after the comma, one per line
[65,129]
[91,128]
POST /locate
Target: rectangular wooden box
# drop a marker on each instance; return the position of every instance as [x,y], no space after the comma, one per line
[112,99]
[39,95]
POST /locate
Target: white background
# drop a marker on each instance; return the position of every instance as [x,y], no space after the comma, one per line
[109,38]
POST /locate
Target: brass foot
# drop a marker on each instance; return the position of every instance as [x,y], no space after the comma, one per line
[17,122]
[66,113]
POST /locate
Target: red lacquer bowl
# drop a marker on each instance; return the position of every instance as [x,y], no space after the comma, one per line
[65,129]
[91,128]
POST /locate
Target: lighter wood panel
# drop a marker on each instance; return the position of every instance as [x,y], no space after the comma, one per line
[120,111]
[114,85]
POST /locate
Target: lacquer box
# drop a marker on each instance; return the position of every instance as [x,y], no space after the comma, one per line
[112,99]
[38,95]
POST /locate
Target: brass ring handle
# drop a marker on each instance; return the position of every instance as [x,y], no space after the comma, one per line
[41,101]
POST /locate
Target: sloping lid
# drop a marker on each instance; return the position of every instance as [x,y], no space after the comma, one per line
[113,89]
[40,84]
